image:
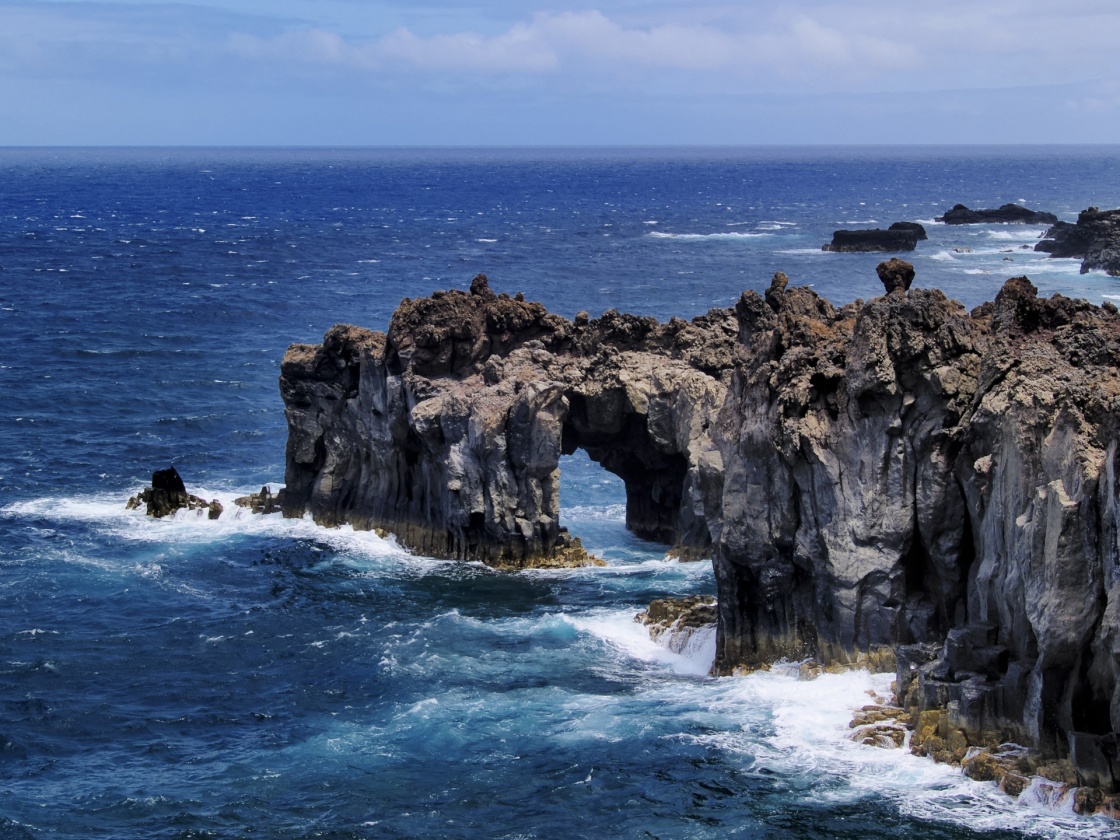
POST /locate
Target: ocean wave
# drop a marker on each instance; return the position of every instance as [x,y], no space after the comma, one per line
[730,236]
[618,629]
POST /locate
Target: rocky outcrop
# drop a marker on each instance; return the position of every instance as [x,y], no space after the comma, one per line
[1007,214]
[447,431]
[918,230]
[891,481]
[167,494]
[1094,239]
[680,624]
[264,502]
[875,240]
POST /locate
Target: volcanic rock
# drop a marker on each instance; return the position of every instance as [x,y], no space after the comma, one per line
[167,494]
[1007,214]
[896,274]
[873,240]
[1094,239]
[896,480]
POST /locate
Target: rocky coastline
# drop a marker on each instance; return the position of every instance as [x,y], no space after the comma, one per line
[896,480]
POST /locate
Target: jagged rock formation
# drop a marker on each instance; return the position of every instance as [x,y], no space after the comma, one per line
[1094,239]
[1006,214]
[167,494]
[899,237]
[448,430]
[891,479]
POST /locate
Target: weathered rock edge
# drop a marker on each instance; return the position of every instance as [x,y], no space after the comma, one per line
[896,475]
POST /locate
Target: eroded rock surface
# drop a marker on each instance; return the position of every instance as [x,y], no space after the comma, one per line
[892,480]
[448,430]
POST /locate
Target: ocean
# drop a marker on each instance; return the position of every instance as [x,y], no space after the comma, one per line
[261,677]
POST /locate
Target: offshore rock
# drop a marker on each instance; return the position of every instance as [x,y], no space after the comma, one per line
[893,481]
[1094,239]
[680,623]
[167,494]
[876,239]
[1007,214]
[447,431]
[264,502]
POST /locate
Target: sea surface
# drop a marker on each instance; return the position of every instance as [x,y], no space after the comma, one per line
[261,677]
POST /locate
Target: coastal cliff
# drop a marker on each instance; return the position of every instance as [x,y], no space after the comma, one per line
[892,480]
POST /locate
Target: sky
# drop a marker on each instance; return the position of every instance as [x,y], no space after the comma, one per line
[535,72]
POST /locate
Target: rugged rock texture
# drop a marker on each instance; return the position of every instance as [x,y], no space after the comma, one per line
[448,430]
[897,479]
[1094,239]
[168,494]
[680,624]
[874,240]
[1007,214]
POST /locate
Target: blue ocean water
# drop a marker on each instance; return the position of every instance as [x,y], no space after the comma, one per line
[261,677]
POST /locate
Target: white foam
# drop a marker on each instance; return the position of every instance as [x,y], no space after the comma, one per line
[730,236]
[943,256]
[806,734]
[1018,235]
[619,630]
[107,513]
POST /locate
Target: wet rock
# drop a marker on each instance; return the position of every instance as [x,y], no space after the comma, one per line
[263,502]
[167,495]
[677,623]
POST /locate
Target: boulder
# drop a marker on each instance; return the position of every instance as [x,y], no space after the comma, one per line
[897,275]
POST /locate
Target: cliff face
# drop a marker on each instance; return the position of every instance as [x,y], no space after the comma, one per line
[448,431]
[897,476]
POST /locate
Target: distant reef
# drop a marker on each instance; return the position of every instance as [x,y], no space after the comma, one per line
[901,236]
[1007,214]
[897,481]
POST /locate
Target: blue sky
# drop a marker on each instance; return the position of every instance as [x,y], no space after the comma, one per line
[498,72]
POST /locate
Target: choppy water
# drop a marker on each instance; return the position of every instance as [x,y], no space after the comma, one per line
[261,677]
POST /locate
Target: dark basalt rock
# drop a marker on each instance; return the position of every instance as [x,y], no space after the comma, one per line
[891,473]
[873,240]
[167,494]
[1007,214]
[1094,239]
[914,227]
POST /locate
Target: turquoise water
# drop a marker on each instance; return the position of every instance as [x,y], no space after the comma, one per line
[261,677]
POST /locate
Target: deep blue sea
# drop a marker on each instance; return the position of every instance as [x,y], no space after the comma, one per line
[261,677]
